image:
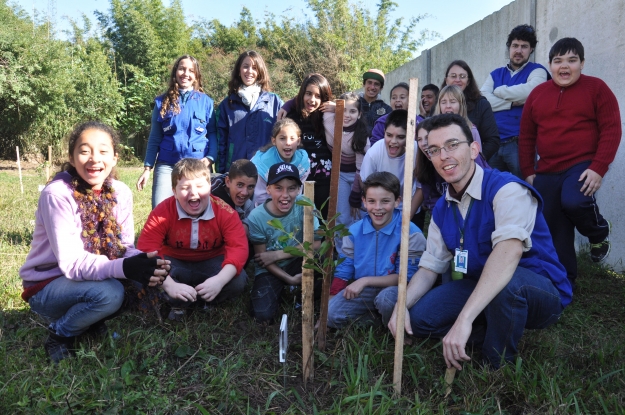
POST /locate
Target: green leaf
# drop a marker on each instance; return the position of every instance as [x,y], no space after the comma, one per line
[305,201]
[276,223]
[291,250]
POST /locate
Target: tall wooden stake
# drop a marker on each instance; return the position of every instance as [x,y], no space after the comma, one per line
[308,283]
[334,189]
[413,98]
[49,166]
[19,168]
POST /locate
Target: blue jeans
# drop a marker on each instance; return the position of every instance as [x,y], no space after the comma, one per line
[341,311]
[195,273]
[529,301]
[71,307]
[507,158]
[267,290]
[161,187]
[565,209]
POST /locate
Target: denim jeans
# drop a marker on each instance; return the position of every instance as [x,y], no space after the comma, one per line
[195,273]
[507,158]
[529,301]
[267,290]
[362,309]
[161,187]
[565,209]
[70,307]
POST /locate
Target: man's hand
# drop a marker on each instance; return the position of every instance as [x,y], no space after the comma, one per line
[354,289]
[592,182]
[530,179]
[392,324]
[454,344]
[179,291]
[210,288]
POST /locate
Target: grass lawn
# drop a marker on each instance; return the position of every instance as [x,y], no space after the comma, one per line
[222,363]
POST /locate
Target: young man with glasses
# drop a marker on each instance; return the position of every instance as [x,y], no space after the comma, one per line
[507,88]
[574,124]
[506,274]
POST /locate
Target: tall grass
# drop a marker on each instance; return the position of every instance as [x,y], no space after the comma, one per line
[222,363]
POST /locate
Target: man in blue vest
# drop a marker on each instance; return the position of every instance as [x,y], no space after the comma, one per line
[506,274]
[506,89]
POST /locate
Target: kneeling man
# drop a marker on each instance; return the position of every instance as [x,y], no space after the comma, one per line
[505,268]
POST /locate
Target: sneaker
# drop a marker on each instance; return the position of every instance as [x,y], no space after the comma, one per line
[176,314]
[600,251]
[58,347]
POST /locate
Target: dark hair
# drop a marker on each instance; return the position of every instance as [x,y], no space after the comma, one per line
[384,179]
[565,45]
[430,87]
[189,168]
[242,167]
[316,117]
[445,120]
[400,85]
[424,170]
[279,125]
[262,78]
[525,33]
[471,92]
[170,101]
[77,133]
[398,118]
[359,140]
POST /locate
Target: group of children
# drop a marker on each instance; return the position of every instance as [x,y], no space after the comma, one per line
[196,243]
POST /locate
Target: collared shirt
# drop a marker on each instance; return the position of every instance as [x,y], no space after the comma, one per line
[514,209]
[195,221]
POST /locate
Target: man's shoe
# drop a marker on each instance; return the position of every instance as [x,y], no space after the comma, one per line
[600,251]
[58,347]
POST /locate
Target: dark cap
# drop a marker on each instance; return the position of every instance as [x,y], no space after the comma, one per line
[281,171]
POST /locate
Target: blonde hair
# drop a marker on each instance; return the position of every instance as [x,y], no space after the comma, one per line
[191,169]
[455,92]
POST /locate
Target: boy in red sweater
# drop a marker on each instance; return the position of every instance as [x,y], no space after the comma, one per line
[573,124]
[203,238]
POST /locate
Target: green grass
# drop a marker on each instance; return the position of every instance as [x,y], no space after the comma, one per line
[222,363]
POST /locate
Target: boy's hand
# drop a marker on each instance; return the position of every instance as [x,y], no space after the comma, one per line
[296,279]
[354,289]
[210,288]
[179,290]
[267,258]
[592,182]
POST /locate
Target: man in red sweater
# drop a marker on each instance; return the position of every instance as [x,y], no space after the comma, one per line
[573,124]
[203,238]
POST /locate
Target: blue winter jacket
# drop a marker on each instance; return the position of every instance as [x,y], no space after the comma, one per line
[242,131]
[190,133]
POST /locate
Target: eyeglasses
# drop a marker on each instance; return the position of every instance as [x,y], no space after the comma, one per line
[449,147]
[456,76]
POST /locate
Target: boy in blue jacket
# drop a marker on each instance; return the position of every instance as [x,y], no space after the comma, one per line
[371,254]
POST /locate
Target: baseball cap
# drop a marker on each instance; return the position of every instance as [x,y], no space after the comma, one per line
[281,171]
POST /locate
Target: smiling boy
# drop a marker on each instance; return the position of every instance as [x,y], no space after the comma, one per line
[236,188]
[275,268]
[203,238]
[372,106]
[371,254]
[574,124]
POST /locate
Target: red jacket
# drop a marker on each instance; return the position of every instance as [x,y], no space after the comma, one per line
[567,126]
[221,235]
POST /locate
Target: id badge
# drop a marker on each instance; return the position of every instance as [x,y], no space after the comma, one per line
[461,260]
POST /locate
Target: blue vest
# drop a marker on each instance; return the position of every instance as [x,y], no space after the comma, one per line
[508,122]
[184,134]
[480,224]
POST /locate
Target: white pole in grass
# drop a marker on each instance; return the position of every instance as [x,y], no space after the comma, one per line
[308,283]
[19,168]
[413,99]
[284,345]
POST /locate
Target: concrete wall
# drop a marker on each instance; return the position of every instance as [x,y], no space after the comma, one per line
[597,24]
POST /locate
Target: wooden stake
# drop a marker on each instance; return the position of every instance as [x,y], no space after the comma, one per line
[450,374]
[19,168]
[49,166]
[334,189]
[308,283]
[413,99]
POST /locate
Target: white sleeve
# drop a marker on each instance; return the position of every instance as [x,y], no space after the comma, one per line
[519,93]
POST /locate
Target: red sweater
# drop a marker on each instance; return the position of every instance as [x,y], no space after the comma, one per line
[567,126]
[224,234]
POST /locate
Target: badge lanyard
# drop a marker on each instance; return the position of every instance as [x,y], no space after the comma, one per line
[461,258]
